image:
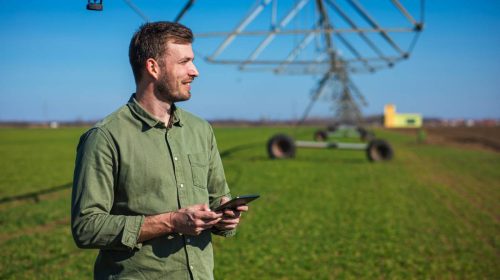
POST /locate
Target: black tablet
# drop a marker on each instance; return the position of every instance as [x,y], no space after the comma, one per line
[237,201]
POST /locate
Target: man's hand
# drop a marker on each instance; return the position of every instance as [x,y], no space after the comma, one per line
[231,217]
[194,219]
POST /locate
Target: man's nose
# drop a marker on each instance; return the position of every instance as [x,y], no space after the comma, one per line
[193,71]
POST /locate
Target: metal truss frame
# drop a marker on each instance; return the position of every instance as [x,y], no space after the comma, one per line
[358,64]
[336,70]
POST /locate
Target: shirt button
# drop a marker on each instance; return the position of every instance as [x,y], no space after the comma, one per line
[191,267]
[182,185]
[175,158]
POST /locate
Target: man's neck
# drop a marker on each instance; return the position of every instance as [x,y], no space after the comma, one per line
[160,109]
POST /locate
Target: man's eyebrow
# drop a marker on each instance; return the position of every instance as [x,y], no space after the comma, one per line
[188,58]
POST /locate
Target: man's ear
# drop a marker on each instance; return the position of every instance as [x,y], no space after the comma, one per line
[153,68]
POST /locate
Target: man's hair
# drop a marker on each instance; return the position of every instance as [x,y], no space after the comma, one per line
[150,41]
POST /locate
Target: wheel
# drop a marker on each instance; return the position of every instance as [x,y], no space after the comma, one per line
[379,150]
[281,146]
[320,135]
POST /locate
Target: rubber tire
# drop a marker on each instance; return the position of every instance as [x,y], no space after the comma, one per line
[320,136]
[281,146]
[379,150]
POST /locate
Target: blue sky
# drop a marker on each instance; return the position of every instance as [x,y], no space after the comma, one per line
[59,61]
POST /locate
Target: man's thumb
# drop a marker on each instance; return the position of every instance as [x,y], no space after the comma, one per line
[202,207]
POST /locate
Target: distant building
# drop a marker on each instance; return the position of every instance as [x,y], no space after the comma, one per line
[392,119]
[54,125]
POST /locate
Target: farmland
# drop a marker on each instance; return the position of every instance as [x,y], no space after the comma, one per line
[432,212]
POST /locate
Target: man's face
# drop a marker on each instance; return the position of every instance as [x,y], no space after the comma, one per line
[177,73]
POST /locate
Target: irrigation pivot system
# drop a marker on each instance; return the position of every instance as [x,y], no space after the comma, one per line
[336,40]
[329,38]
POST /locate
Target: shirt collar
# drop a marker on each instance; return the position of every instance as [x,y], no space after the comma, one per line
[149,119]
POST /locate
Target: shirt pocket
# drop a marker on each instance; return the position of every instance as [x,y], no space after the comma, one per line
[199,169]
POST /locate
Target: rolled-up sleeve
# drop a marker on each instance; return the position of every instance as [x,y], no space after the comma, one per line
[92,224]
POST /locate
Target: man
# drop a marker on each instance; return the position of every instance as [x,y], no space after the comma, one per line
[147,175]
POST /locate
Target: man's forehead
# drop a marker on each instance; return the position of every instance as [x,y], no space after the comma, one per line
[177,49]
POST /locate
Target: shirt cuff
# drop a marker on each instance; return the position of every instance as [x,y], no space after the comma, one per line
[225,233]
[131,231]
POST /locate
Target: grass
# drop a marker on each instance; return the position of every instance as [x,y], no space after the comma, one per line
[33,159]
[432,212]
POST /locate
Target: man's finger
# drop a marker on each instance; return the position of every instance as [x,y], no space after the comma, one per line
[232,213]
[229,221]
[208,215]
[242,208]
[211,223]
[226,227]
[229,213]
[199,207]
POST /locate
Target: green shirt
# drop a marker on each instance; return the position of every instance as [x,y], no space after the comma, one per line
[131,165]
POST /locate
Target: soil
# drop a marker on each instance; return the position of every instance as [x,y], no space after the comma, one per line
[484,138]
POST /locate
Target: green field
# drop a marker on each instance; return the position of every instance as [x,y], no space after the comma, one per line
[431,213]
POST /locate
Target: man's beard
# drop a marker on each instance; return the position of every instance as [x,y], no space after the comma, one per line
[165,93]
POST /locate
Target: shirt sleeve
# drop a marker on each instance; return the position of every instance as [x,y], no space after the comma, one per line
[217,184]
[92,224]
